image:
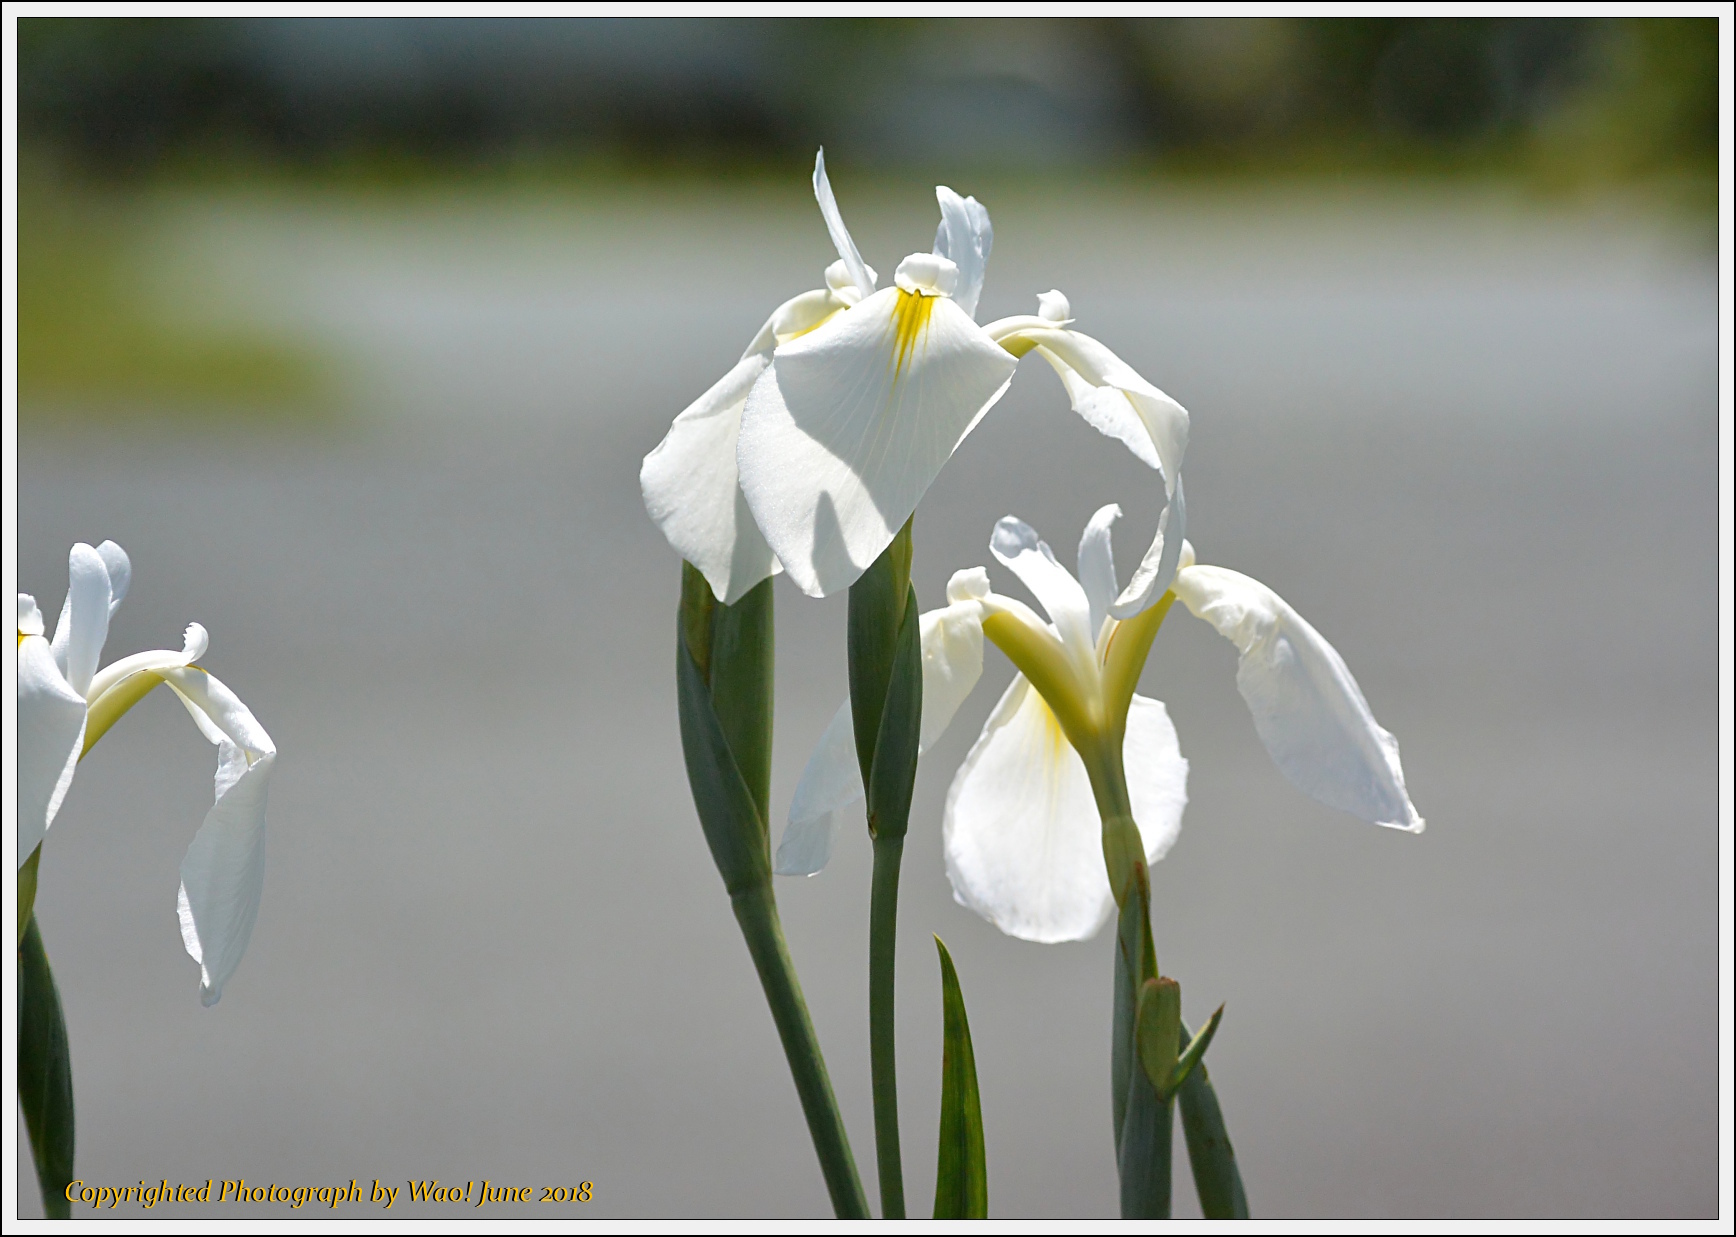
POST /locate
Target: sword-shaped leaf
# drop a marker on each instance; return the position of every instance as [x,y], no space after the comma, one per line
[961,1190]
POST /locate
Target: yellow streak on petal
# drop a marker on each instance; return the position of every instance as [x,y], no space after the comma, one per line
[909,321]
[108,708]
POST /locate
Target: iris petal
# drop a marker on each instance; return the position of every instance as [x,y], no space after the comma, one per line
[845,432]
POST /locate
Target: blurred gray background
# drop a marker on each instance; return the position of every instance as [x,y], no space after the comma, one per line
[379,430]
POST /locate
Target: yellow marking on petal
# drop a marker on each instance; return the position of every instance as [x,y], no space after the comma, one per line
[909,321]
[786,336]
[108,708]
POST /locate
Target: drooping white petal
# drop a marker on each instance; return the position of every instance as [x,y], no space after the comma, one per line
[860,275]
[851,424]
[1157,569]
[223,872]
[1097,564]
[218,712]
[693,495]
[1104,389]
[1019,549]
[1022,835]
[51,719]
[952,662]
[831,782]
[224,868]
[965,237]
[1308,710]
[1156,775]
[120,572]
[83,626]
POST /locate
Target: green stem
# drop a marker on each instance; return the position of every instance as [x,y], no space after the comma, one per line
[882,1037]
[756,910]
[44,1074]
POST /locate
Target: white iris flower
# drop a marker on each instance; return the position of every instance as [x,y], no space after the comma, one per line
[1024,836]
[65,704]
[813,451]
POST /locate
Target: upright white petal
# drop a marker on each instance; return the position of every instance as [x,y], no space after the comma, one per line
[1157,569]
[83,626]
[1016,544]
[965,236]
[1308,710]
[952,662]
[120,572]
[50,730]
[845,432]
[1022,834]
[692,491]
[223,872]
[1097,564]
[860,275]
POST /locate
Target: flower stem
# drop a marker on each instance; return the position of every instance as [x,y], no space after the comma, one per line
[756,910]
[882,1038]
[723,675]
[885,663]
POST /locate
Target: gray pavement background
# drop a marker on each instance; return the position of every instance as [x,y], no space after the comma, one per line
[1472,438]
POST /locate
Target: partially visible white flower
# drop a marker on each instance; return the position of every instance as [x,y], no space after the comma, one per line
[846,429]
[814,450]
[65,705]
[1023,830]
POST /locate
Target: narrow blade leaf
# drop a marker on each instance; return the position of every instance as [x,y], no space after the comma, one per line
[44,1074]
[961,1190]
[877,602]
[1145,1151]
[895,749]
[1196,1049]
[1215,1173]
[734,828]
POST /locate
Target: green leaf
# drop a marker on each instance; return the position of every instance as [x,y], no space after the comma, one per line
[1157,1032]
[27,890]
[1144,1154]
[44,1074]
[1196,1049]
[961,1189]
[734,826]
[877,604]
[1215,1173]
[900,738]
[741,680]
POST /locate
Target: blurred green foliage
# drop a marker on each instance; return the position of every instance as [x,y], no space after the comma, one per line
[1583,98]
[92,338]
[112,107]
